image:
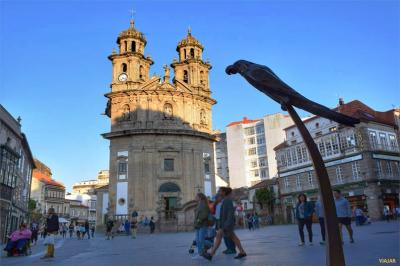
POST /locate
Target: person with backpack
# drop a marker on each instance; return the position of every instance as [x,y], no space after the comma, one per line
[152,225]
[201,222]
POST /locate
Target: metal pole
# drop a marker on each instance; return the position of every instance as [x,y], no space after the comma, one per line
[334,250]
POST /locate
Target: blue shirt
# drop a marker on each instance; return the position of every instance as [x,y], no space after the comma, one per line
[319,209]
[342,207]
[218,211]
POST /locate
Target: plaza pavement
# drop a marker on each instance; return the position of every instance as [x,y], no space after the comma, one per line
[270,246]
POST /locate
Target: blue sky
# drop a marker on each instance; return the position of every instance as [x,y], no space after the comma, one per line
[54,68]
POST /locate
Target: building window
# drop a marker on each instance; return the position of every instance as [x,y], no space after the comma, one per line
[378,168]
[304,153]
[310,179]
[317,125]
[255,173]
[393,142]
[260,140]
[124,67]
[286,182]
[321,148]
[260,129]
[332,129]
[294,157]
[122,168]
[261,150]
[169,165]
[185,76]
[133,48]
[318,134]
[263,173]
[328,148]
[251,151]
[289,157]
[389,169]
[339,176]
[373,139]
[299,155]
[335,145]
[251,141]
[262,162]
[249,131]
[191,53]
[298,181]
[355,169]
[253,164]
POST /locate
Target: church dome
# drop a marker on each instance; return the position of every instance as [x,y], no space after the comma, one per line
[131,33]
[189,40]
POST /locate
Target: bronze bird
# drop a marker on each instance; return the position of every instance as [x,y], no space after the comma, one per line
[266,81]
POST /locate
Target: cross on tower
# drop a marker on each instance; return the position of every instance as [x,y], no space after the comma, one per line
[133,12]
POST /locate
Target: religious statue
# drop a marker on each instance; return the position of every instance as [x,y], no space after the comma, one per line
[166,73]
[168,113]
[125,113]
[266,81]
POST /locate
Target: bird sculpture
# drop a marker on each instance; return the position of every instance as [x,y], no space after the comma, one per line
[266,81]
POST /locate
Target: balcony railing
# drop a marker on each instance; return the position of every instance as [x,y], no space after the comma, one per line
[388,176]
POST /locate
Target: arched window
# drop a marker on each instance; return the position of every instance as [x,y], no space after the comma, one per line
[168,111]
[124,67]
[191,53]
[141,72]
[133,48]
[185,76]
[184,53]
[202,78]
[126,46]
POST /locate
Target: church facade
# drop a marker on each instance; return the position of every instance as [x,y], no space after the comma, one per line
[161,137]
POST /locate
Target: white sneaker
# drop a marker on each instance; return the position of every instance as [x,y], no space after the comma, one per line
[197,257]
[311,243]
[301,244]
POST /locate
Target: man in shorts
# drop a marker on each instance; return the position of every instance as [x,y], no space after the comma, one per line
[344,212]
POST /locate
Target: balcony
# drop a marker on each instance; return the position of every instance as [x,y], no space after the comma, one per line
[384,147]
[388,176]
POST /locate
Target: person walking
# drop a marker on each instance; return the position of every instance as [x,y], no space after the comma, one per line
[319,211]
[304,212]
[133,226]
[82,230]
[78,231]
[256,221]
[64,230]
[386,213]
[127,227]
[87,229]
[109,228]
[92,229]
[227,225]
[230,245]
[52,227]
[200,222]
[35,231]
[71,230]
[343,212]
[152,225]
[250,221]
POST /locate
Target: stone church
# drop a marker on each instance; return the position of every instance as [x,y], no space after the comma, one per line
[161,137]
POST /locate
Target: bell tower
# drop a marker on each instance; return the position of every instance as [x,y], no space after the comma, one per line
[130,66]
[190,68]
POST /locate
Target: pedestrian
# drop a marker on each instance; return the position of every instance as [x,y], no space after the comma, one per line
[78,231]
[152,225]
[386,213]
[249,221]
[87,229]
[35,231]
[109,228]
[343,212]
[230,245]
[71,229]
[92,230]
[304,212]
[64,230]
[52,227]
[358,213]
[319,211]
[200,222]
[256,221]
[121,227]
[133,226]
[127,227]
[82,230]
[227,224]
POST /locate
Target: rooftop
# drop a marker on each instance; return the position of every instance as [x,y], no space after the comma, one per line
[245,120]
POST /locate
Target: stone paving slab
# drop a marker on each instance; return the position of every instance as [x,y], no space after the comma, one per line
[271,246]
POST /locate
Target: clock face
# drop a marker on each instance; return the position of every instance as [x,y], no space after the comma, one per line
[123,77]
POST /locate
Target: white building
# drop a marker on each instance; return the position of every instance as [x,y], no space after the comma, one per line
[251,155]
[221,162]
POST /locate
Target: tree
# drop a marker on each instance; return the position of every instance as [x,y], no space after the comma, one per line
[265,196]
[32,205]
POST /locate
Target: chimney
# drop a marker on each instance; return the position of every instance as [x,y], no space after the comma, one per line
[341,101]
